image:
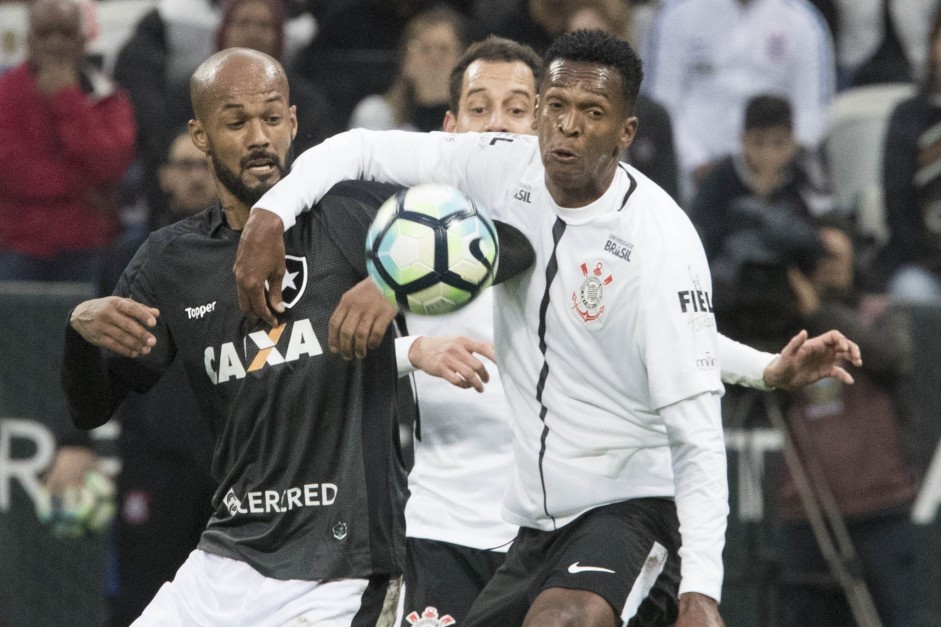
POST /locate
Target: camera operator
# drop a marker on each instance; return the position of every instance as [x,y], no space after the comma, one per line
[755,213]
[855,435]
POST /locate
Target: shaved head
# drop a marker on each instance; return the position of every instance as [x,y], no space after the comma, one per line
[244,123]
[232,72]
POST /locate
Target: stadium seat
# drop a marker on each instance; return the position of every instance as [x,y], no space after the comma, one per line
[853,148]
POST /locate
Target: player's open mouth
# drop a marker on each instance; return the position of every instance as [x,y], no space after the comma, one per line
[563,155]
[261,166]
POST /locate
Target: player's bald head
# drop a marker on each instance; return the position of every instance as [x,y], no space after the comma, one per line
[231,73]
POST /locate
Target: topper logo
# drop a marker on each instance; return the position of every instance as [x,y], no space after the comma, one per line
[200,311]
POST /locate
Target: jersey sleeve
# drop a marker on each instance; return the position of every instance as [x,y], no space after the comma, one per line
[679,340]
[516,252]
[95,380]
[476,163]
[697,448]
[743,365]
[139,283]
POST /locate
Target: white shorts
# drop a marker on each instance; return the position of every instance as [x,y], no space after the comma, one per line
[210,590]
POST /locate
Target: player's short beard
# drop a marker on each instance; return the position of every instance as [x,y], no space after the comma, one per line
[232,181]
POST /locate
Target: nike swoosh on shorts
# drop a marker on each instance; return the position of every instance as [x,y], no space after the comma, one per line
[575,568]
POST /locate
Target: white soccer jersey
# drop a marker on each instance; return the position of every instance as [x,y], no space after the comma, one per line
[607,347]
[706,58]
[463,456]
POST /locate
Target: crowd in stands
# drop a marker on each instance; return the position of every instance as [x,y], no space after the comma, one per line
[733,118]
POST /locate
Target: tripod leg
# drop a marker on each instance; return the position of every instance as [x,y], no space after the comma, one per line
[811,485]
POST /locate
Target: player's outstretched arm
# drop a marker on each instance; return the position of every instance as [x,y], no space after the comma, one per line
[117,324]
[260,258]
[453,359]
[807,360]
[360,320]
[698,610]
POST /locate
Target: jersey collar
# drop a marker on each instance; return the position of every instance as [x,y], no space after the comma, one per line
[615,198]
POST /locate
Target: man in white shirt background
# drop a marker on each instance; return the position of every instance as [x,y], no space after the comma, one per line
[706,58]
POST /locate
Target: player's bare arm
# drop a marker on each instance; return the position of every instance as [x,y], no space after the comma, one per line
[117,324]
[804,361]
[360,320]
[260,258]
[453,359]
[698,610]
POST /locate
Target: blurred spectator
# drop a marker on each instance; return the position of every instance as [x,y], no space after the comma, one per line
[912,186]
[432,42]
[853,432]
[755,214]
[643,13]
[365,25]
[186,186]
[652,150]
[14,19]
[352,55]
[878,41]
[259,25]
[708,57]
[536,22]
[66,138]
[155,66]
[611,16]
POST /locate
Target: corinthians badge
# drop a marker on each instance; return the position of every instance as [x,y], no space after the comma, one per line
[429,618]
[588,300]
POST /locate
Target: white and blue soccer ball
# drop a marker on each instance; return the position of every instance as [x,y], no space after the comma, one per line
[431,250]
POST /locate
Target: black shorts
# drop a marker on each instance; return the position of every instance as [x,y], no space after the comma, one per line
[444,579]
[627,553]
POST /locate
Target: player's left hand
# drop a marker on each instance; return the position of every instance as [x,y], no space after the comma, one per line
[360,321]
[260,258]
[452,359]
[698,610]
[804,361]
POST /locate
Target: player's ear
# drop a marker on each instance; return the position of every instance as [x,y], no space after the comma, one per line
[293,113]
[450,122]
[628,131]
[198,135]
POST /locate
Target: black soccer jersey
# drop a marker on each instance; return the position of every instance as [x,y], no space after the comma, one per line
[311,482]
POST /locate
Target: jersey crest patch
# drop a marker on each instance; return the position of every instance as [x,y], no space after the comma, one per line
[295,279]
[429,618]
[588,300]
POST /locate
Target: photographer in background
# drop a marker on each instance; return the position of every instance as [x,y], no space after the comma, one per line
[755,213]
[854,434]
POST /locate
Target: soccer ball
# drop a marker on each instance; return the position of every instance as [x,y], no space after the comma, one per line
[431,250]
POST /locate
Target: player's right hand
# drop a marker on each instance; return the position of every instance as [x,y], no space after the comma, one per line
[259,260]
[698,610]
[118,324]
[452,359]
